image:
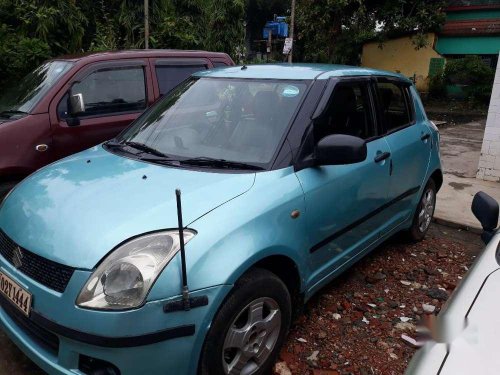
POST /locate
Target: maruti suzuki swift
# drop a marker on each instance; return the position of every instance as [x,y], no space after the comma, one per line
[186,244]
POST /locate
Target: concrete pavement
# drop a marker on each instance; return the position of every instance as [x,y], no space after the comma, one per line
[460,153]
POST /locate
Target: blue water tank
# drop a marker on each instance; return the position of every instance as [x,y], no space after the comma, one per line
[277,28]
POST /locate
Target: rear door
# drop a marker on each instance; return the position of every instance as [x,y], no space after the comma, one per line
[410,146]
[114,94]
[168,73]
[344,203]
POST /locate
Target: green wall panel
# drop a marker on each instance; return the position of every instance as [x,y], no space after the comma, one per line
[475,45]
[473,15]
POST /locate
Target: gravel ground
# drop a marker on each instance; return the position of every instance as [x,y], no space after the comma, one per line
[354,325]
[362,338]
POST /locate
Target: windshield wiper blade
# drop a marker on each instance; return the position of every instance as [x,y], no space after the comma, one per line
[145,148]
[9,113]
[221,163]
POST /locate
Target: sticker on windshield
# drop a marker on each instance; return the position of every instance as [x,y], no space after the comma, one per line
[290,91]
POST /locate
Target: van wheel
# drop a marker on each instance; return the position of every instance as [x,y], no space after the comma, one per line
[249,328]
[424,213]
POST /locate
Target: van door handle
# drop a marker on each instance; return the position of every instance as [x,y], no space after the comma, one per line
[382,157]
[42,148]
[425,137]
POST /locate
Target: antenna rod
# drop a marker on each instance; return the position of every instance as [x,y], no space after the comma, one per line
[185,289]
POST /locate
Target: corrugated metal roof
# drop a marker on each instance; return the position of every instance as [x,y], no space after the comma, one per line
[472,27]
[472,4]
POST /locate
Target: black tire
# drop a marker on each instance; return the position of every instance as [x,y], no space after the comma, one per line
[255,285]
[416,232]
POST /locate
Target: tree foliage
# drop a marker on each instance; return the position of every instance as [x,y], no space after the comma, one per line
[328,30]
[473,75]
[34,30]
[335,30]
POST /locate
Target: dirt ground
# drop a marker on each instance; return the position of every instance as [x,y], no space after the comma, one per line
[370,300]
[354,325]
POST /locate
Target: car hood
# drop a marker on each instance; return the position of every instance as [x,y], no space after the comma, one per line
[75,211]
[475,350]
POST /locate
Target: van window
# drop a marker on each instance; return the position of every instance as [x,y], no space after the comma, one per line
[395,105]
[348,112]
[170,76]
[219,64]
[114,90]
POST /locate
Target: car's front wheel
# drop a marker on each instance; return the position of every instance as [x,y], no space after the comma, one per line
[424,213]
[249,328]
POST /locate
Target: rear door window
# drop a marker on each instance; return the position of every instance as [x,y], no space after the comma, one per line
[170,76]
[219,64]
[111,91]
[395,105]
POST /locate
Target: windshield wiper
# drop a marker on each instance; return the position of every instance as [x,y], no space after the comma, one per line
[220,163]
[138,146]
[146,148]
[10,113]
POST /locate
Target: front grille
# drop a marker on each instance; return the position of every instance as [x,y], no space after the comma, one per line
[40,335]
[51,274]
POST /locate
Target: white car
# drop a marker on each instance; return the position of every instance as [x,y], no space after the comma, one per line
[466,338]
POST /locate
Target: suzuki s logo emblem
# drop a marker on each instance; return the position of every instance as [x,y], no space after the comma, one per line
[17,257]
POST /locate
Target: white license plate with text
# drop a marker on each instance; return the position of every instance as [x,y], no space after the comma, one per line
[15,294]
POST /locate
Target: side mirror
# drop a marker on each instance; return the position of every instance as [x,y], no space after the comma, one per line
[485,209]
[77,105]
[339,149]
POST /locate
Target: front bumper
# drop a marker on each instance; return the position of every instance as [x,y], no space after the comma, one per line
[60,337]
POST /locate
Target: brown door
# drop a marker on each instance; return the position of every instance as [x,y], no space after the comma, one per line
[111,95]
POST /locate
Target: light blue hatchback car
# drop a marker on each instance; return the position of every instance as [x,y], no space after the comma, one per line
[288,173]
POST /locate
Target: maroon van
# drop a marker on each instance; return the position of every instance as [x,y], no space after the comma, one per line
[72,103]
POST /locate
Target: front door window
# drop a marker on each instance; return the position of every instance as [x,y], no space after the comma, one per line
[349,112]
[112,91]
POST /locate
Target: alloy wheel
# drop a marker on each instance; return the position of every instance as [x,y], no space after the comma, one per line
[427,204]
[251,337]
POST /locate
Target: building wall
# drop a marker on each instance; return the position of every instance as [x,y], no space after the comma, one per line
[468,45]
[489,163]
[400,55]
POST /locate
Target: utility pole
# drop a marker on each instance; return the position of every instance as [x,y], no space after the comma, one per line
[146,24]
[292,26]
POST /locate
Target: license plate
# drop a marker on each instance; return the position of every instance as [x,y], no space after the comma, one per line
[15,294]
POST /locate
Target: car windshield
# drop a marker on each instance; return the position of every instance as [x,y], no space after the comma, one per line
[229,120]
[22,96]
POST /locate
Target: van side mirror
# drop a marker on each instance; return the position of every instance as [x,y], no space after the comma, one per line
[485,209]
[339,149]
[77,105]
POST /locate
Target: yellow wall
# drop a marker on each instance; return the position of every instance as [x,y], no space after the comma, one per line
[400,55]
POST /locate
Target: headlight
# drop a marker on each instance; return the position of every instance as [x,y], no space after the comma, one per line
[124,279]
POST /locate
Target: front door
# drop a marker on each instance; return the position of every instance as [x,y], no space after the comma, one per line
[344,202]
[409,139]
[113,95]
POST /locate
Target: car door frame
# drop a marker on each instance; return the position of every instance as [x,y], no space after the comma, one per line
[415,191]
[304,160]
[297,137]
[86,71]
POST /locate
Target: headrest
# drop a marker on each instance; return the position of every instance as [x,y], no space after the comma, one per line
[386,97]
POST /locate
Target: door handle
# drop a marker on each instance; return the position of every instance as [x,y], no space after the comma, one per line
[425,137]
[382,157]
[42,148]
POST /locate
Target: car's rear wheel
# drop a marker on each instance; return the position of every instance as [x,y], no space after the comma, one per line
[424,213]
[250,327]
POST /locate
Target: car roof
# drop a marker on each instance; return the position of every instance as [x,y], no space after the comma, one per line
[294,72]
[138,53]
